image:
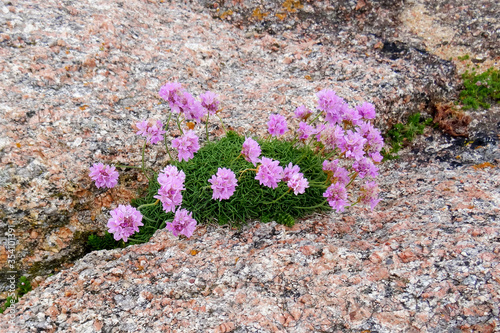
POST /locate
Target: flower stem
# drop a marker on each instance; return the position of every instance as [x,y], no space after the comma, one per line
[224,128]
[206,125]
[179,124]
[143,168]
[148,205]
[312,207]
[314,119]
[243,171]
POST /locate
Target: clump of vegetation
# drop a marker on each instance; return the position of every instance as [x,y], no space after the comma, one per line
[105,242]
[400,134]
[480,88]
[451,120]
[23,287]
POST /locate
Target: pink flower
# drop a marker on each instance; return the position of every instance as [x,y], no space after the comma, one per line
[124,221]
[302,112]
[350,115]
[183,223]
[353,145]
[172,183]
[269,173]
[365,167]
[289,171]
[152,132]
[332,105]
[369,194]
[336,195]
[104,175]
[277,125]
[251,151]
[170,93]
[305,131]
[366,110]
[223,184]
[210,102]
[298,183]
[332,136]
[186,145]
[192,109]
[171,172]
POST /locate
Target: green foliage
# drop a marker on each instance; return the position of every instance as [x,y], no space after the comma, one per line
[400,133]
[465,57]
[106,242]
[480,88]
[250,200]
[23,287]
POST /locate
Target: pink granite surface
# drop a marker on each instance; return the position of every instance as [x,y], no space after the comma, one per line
[76,75]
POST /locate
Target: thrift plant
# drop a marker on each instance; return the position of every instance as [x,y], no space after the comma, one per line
[331,163]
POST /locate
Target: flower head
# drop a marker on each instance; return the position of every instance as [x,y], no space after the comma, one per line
[152,132]
[369,194]
[302,112]
[172,183]
[124,221]
[183,223]
[332,105]
[190,107]
[350,115]
[186,145]
[251,150]
[170,93]
[277,125]
[305,131]
[353,145]
[366,110]
[223,184]
[365,167]
[104,175]
[332,136]
[298,183]
[289,171]
[210,102]
[336,195]
[269,172]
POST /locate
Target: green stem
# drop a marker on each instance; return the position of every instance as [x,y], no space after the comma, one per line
[314,119]
[143,166]
[313,207]
[224,128]
[243,171]
[268,203]
[206,126]
[179,124]
[352,179]
[148,205]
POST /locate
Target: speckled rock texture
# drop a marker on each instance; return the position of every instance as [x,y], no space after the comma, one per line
[76,75]
[426,260]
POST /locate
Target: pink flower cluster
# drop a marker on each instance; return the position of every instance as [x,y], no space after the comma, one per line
[104,175]
[186,145]
[153,132]
[251,151]
[180,101]
[277,125]
[182,224]
[223,184]
[124,221]
[171,182]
